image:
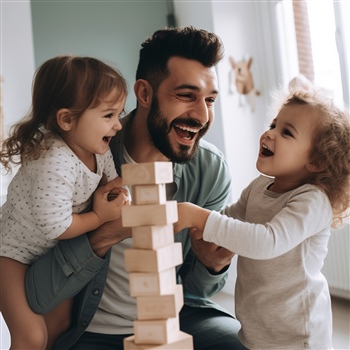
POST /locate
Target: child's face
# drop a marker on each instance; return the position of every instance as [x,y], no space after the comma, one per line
[93,130]
[285,147]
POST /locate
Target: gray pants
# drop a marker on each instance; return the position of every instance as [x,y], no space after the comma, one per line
[211,330]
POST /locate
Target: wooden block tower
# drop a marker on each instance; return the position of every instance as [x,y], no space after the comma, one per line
[152,259]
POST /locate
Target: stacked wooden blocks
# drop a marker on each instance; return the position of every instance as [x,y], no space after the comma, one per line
[152,259]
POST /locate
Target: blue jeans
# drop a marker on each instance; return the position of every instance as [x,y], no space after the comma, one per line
[211,330]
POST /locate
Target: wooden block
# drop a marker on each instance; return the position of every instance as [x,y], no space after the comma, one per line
[160,307]
[153,214]
[184,342]
[152,284]
[156,331]
[147,173]
[152,237]
[148,194]
[146,260]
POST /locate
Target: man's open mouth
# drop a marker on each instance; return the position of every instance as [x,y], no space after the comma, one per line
[186,132]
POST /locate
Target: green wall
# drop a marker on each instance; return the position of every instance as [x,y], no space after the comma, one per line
[109,30]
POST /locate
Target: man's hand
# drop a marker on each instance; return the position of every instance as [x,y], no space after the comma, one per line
[213,257]
[107,235]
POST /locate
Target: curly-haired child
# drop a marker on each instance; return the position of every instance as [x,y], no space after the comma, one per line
[280,226]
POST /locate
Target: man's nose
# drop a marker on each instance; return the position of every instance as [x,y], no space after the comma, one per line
[200,112]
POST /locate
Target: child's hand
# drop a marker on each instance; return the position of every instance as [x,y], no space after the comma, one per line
[190,215]
[118,182]
[108,209]
[185,212]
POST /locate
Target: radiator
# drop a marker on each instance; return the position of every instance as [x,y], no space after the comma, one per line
[337,266]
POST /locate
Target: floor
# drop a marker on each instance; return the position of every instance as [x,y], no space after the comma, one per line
[341,318]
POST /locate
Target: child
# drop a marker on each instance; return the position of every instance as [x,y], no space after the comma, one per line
[280,226]
[63,149]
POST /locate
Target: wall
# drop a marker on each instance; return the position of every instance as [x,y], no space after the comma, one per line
[109,30]
[17,67]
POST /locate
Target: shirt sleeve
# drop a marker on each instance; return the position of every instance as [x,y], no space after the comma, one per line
[304,215]
[198,282]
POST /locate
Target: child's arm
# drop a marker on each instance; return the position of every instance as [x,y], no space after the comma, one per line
[191,215]
[104,210]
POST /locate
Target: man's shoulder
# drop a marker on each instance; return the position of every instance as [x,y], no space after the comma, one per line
[207,149]
[208,160]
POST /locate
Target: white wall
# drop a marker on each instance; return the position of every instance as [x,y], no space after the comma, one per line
[17,66]
[17,71]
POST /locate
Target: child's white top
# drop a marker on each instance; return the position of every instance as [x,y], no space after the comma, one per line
[42,197]
[282,298]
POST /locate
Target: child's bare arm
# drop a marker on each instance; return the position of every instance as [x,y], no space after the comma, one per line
[104,210]
[190,215]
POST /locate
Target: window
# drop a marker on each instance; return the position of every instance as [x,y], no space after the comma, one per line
[315,33]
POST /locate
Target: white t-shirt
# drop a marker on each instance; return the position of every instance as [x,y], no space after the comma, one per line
[42,197]
[117,309]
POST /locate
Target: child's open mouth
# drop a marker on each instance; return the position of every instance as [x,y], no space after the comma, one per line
[106,139]
[266,151]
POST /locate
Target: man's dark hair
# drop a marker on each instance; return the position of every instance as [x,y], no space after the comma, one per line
[186,42]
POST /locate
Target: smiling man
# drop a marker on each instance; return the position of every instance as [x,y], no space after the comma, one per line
[176,88]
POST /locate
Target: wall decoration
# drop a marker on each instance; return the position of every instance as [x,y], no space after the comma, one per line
[241,81]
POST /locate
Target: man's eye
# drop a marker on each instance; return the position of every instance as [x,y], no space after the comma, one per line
[185,95]
[211,100]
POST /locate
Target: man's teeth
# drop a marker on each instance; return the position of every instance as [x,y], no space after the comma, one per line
[187,128]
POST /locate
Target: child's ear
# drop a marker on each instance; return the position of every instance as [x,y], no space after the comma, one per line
[143,92]
[64,119]
[313,168]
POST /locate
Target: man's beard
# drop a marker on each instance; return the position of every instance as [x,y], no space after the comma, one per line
[159,131]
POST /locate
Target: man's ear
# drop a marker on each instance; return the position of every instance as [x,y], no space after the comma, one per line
[143,92]
[64,119]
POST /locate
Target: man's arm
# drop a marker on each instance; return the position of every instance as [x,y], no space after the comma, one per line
[204,271]
[70,265]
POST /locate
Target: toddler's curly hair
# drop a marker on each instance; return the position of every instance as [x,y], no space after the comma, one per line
[330,150]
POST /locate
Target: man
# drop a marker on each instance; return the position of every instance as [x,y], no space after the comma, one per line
[176,88]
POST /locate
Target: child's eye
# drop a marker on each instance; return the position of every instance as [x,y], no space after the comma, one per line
[109,115]
[287,132]
[272,126]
